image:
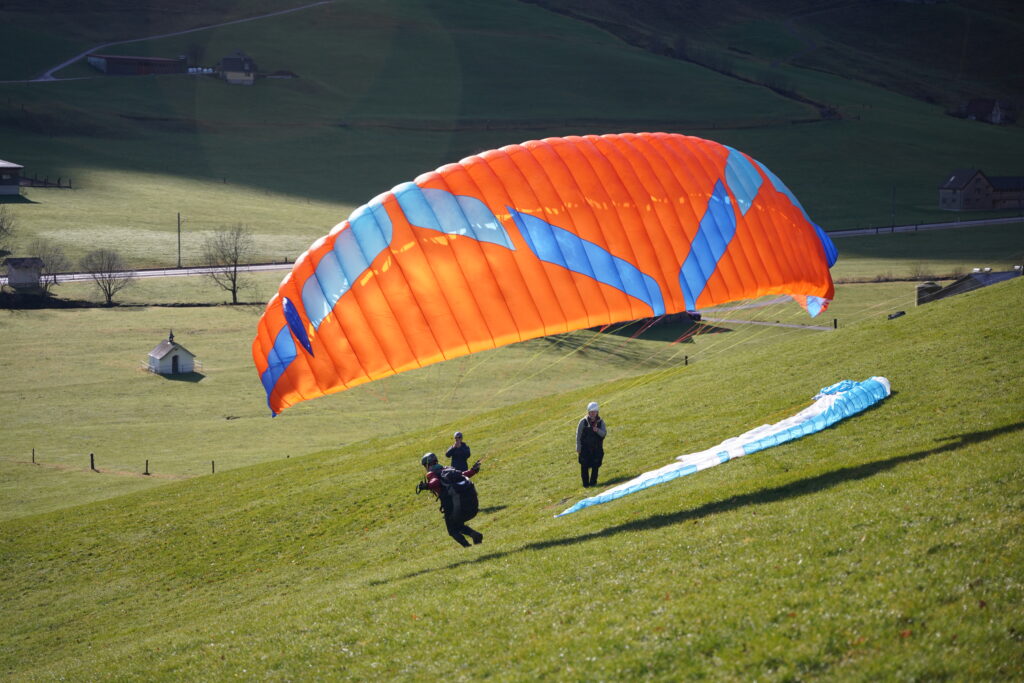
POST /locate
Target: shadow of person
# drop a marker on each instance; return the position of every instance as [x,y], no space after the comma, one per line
[616,480]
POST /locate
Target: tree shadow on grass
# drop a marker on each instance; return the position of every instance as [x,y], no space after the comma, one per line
[794,489]
[671,331]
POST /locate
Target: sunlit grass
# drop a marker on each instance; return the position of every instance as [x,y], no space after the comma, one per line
[884,548]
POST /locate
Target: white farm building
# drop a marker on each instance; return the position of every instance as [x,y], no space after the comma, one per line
[171,358]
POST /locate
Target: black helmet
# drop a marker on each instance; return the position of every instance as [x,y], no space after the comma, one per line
[428,459]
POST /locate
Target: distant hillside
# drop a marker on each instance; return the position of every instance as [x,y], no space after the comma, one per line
[942,52]
[389,89]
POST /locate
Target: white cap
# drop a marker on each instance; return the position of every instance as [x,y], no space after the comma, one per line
[592,406]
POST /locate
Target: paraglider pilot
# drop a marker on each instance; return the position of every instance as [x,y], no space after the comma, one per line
[590,433]
[457,495]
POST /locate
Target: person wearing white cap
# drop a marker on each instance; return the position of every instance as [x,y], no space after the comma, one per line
[458,453]
[590,433]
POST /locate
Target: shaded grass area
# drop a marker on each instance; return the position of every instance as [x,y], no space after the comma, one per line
[423,84]
[886,547]
[933,254]
[41,34]
[937,52]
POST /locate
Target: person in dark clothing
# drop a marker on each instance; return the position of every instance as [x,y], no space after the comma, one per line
[590,433]
[458,453]
[457,507]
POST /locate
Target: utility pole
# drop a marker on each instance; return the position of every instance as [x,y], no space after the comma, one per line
[179,239]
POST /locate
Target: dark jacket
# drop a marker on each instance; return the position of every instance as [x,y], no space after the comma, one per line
[459,455]
[590,441]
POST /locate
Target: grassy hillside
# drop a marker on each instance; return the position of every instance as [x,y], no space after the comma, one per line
[387,90]
[79,389]
[886,548]
[78,386]
[945,52]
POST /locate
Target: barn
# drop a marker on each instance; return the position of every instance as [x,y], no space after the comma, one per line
[10,177]
[171,358]
[970,188]
[237,68]
[127,65]
[23,274]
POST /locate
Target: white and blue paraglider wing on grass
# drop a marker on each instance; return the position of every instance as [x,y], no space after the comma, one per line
[831,404]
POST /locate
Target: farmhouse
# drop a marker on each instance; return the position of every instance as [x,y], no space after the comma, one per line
[970,189]
[237,68]
[23,274]
[124,65]
[171,358]
[10,177]
[998,112]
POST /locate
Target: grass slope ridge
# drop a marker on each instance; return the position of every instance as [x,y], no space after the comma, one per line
[887,547]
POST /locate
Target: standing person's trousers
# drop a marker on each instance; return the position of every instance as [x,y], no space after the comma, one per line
[588,473]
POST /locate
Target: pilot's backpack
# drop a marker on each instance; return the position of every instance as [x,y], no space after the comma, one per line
[458,494]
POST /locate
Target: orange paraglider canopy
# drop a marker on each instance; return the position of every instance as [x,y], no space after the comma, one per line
[531,240]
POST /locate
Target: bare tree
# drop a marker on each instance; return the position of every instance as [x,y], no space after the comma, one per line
[54,261]
[224,251]
[7,228]
[108,271]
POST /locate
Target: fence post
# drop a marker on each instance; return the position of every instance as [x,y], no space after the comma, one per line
[213,467]
[92,462]
[686,360]
[147,468]
[33,456]
[835,323]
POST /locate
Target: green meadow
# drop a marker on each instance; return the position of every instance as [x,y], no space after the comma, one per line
[887,547]
[85,390]
[215,542]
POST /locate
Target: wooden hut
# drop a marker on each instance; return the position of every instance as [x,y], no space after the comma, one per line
[171,358]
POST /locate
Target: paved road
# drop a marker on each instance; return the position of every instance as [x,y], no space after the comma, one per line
[257,267]
[172,272]
[917,227]
[181,272]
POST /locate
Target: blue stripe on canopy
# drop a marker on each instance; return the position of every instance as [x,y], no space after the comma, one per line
[291,316]
[742,178]
[355,248]
[556,245]
[451,214]
[716,230]
[278,359]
